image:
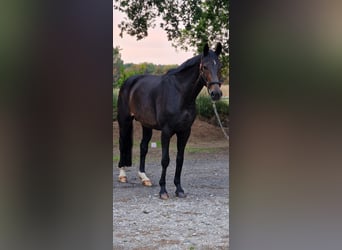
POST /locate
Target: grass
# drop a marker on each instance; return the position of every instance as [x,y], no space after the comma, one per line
[199,150]
[116,158]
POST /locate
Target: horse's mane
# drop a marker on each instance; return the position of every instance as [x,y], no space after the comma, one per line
[188,63]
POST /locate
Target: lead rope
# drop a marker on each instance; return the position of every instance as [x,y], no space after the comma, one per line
[219,121]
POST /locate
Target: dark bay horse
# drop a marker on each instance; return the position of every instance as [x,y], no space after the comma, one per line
[165,103]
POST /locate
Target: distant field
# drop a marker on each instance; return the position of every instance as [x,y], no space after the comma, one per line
[225,90]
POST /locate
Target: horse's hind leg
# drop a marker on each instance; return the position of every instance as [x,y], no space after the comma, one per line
[126,143]
[147,134]
[182,139]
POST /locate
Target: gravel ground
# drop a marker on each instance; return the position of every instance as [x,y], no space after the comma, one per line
[200,221]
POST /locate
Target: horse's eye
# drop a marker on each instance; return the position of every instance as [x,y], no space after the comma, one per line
[205,67]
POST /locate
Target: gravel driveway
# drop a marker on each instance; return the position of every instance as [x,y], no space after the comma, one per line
[200,221]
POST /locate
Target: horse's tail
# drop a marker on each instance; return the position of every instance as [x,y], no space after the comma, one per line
[125,121]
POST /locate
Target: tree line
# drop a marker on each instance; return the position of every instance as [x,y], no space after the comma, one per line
[121,70]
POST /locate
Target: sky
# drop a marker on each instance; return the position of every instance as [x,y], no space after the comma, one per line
[153,49]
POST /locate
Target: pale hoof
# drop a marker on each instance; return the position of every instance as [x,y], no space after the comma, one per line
[164,196]
[123,179]
[147,183]
[144,179]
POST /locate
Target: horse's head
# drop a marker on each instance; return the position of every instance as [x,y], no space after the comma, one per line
[210,70]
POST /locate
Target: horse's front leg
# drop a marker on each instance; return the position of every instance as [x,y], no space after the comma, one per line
[182,139]
[165,141]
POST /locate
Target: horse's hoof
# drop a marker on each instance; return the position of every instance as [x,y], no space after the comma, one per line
[180,194]
[144,180]
[147,183]
[164,196]
[123,179]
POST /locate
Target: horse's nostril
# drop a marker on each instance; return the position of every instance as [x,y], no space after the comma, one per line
[215,95]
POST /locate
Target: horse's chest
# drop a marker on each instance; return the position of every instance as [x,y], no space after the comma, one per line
[184,119]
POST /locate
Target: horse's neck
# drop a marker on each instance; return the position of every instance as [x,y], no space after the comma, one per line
[191,83]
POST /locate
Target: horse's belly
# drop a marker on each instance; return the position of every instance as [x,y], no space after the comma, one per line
[146,120]
[141,108]
[145,117]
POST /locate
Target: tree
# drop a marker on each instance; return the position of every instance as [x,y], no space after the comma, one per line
[188,24]
[117,65]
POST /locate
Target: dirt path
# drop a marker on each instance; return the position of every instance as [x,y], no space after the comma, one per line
[200,221]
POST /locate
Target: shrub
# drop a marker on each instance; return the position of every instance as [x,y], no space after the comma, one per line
[222,107]
[205,108]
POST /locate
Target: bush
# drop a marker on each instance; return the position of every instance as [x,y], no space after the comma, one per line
[205,108]
[222,107]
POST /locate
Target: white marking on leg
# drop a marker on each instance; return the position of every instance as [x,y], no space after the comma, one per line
[122,172]
[143,176]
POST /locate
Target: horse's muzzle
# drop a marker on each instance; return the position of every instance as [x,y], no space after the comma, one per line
[216,95]
[215,91]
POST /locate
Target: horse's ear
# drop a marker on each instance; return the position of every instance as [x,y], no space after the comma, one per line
[206,49]
[218,49]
